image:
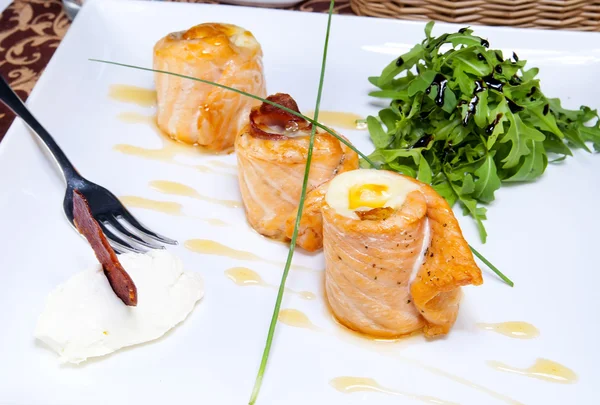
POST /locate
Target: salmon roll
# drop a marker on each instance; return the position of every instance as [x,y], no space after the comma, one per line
[201,114]
[395,255]
[271,153]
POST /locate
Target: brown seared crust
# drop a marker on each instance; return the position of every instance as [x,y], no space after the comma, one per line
[448,265]
[118,278]
[267,115]
[376,214]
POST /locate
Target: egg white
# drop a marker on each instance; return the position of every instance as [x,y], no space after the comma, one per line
[337,196]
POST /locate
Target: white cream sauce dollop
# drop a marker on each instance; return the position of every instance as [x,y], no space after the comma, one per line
[84,318]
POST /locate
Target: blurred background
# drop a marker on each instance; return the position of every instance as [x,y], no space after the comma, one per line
[31,30]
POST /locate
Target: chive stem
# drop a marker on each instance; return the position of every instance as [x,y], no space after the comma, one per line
[274,318]
[492,267]
[222,86]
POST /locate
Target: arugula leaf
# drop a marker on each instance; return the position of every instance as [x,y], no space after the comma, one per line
[519,134]
[555,145]
[468,186]
[409,59]
[471,65]
[428,28]
[421,83]
[395,94]
[388,117]
[574,138]
[533,165]
[465,83]
[499,115]
[424,173]
[378,135]
[470,206]
[545,122]
[487,181]
[591,134]
[492,124]
[483,110]
[561,113]
[444,189]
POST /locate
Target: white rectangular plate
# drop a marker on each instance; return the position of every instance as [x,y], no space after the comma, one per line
[543,235]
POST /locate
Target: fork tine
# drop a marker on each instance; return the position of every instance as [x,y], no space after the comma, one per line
[116,248]
[115,223]
[120,243]
[127,217]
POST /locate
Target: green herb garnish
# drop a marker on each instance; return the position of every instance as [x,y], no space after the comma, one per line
[330,131]
[492,267]
[267,350]
[466,120]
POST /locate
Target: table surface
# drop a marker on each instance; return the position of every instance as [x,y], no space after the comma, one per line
[31,30]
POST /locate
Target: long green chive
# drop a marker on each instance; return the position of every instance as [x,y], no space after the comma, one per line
[317,124]
[297,114]
[492,267]
[272,326]
[312,121]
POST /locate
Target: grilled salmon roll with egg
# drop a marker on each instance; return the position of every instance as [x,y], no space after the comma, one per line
[201,114]
[395,255]
[272,152]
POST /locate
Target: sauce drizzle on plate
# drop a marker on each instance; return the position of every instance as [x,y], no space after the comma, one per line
[169,150]
[297,319]
[517,330]
[211,247]
[166,207]
[339,119]
[542,369]
[349,385]
[244,276]
[175,188]
[133,95]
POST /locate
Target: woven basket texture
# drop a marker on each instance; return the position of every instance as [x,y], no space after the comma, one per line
[581,15]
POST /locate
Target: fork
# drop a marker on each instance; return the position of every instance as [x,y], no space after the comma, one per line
[123,231]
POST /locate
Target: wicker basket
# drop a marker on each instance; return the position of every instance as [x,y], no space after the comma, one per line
[582,15]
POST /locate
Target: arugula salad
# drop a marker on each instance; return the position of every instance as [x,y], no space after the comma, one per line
[465,119]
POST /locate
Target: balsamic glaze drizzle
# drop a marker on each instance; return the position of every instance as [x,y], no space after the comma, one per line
[399,61]
[447,150]
[546,109]
[515,80]
[485,43]
[423,141]
[492,83]
[441,82]
[490,128]
[472,107]
[478,87]
[514,108]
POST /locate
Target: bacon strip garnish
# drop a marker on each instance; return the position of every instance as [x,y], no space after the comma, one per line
[118,278]
[267,118]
